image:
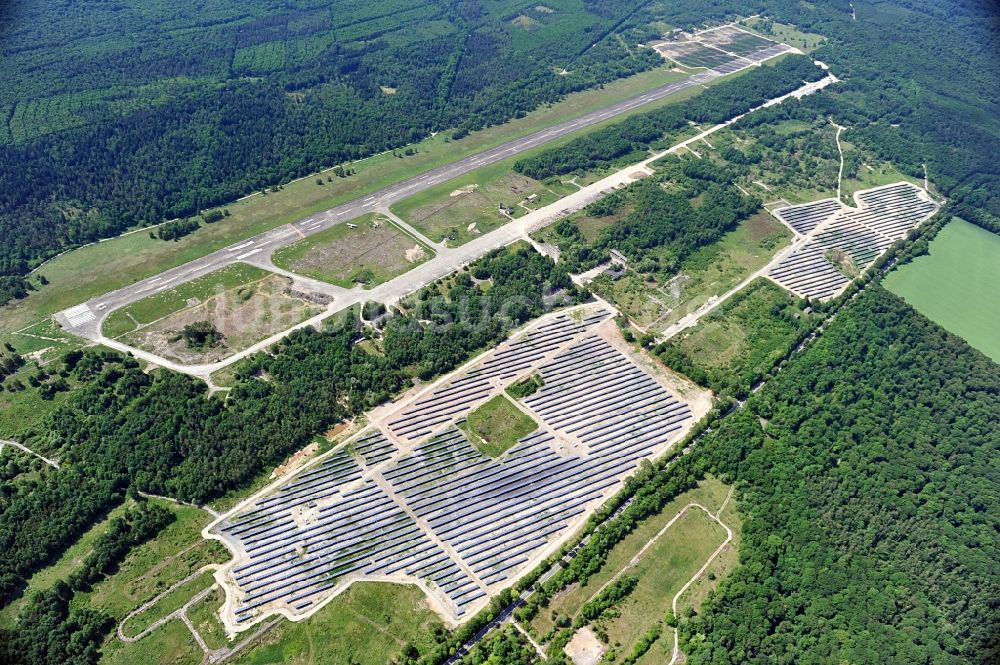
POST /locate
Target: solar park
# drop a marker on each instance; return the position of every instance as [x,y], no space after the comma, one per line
[411,500]
[725,49]
[883,216]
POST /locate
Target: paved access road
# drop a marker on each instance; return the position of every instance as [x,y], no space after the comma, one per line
[86,319]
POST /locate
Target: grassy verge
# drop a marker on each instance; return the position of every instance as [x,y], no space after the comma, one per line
[662,571]
[497,425]
[374,251]
[957,285]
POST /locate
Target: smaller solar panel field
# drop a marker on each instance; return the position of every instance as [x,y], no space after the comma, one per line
[844,241]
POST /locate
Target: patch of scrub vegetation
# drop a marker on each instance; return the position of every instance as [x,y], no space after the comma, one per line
[733,347]
[170,644]
[225,320]
[957,284]
[150,569]
[476,203]
[174,599]
[496,425]
[71,560]
[155,307]
[204,615]
[368,250]
[785,33]
[529,385]
[369,624]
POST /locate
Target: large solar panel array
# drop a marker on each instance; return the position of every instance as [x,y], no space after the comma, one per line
[441,512]
[510,359]
[886,215]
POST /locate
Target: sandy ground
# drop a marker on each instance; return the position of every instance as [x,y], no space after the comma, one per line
[585,648]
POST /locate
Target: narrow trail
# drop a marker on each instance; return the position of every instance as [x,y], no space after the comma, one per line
[14,444]
[538,647]
[840,150]
[207,509]
[675,654]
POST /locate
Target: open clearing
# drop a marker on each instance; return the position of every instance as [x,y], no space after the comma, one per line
[737,343]
[710,493]
[710,271]
[372,252]
[168,301]
[957,285]
[497,425]
[244,303]
[369,624]
[662,571]
[469,206]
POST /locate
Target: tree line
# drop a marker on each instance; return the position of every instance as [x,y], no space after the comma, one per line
[637,133]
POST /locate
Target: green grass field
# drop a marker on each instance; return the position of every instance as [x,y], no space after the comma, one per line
[375,251]
[170,644]
[957,285]
[496,425]
[710,493]
[369,624]
[662,570]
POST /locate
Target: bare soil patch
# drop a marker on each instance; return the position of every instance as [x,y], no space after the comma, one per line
[244,316]
[585,648]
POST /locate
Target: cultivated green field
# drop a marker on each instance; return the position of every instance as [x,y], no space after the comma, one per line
[497,425]
[957,285]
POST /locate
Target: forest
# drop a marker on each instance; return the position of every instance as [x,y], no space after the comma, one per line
[870,498]
[182,109]
[659,221]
